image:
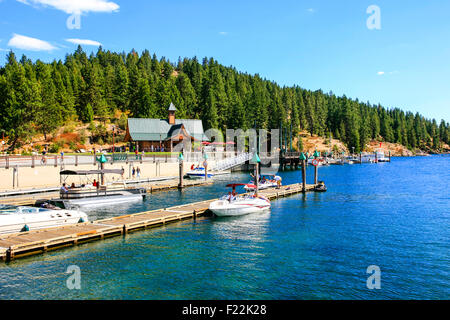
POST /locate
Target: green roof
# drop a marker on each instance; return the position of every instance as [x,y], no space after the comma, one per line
[142,129]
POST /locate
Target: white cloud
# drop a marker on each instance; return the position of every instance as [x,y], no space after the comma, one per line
[28,43]
[381,73]
[311,10]
[223,33]
[1,49]
[85,42]
[76,6]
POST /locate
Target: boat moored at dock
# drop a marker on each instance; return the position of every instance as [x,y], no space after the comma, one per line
[94,194]
[198,173]
[15,219]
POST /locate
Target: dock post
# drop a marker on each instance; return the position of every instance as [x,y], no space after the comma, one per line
[9,255]
[303,176]
[389,155]
[316,173]
[256,178]
[14,178]
[180,159]
[303,160]
[376,157]
[316,167]
[360,158]
[205,165]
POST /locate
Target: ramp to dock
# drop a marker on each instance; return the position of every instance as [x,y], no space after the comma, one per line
[23,244]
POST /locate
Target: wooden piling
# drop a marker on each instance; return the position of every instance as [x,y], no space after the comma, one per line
[180,185]
[256,177]
[304,176]
[316,174]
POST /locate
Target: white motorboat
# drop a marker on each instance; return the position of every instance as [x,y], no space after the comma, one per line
[235,205]
[198,173]
[18,219]
[95,195]
[263,184]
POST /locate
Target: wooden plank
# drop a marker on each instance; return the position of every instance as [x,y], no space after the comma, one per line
[38,240]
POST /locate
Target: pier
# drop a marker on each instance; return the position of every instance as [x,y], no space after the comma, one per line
[30,199]
[18,245]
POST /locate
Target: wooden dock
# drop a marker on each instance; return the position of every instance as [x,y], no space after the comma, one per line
[17,245]
[29,200]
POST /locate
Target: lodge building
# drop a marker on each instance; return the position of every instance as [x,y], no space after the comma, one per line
[163,134]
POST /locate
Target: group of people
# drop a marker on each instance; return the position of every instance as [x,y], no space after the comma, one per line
[65,189]
[136,171]
[232,195]
[157,149]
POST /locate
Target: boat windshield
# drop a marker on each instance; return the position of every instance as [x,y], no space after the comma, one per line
[20,210]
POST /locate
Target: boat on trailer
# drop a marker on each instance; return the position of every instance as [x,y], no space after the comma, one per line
[15,219]
[238,205]
[88,195]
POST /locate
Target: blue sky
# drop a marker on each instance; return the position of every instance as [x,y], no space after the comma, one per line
[320,44]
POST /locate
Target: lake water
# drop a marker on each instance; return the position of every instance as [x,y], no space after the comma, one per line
[393,215]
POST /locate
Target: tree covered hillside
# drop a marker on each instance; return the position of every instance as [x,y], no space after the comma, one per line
[38,97]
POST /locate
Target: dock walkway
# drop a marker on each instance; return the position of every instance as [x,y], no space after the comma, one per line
[153,186]
[13,246]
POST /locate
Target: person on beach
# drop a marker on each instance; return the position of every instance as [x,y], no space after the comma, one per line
[138,172]
[95,183]
[72,186]
[123,171]
[133,172]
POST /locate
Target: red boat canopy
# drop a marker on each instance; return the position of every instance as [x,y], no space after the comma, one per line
[234,185]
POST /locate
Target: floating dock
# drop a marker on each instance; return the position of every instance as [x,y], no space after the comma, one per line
[30,199]
[18,245]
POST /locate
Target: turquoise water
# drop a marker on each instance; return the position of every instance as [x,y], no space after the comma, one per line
[393,215]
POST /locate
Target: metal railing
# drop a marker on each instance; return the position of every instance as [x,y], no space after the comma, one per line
[10,161]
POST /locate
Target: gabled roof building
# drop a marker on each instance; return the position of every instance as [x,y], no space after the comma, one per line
[153,134]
